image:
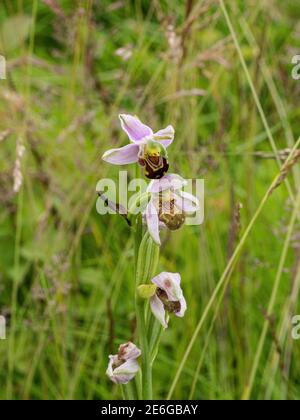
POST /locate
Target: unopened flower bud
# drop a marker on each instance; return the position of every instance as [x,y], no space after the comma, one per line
[122,367]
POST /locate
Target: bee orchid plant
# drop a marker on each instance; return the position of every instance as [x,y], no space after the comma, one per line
[166,207]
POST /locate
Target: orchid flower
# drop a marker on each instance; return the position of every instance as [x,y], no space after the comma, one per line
[122,367]
[146,148]
[168,297]
[168,205]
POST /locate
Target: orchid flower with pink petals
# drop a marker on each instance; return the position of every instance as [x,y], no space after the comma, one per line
[122,367]
[168,205]
[146,148]
[168,297]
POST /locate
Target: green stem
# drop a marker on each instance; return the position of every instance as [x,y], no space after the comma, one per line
[146,262]
[138,384]
[156,333]
[146,360]
[128,391]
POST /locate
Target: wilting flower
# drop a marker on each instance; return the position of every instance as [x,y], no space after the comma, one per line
[122,367]
[168,205]
[146,148]
[168,297]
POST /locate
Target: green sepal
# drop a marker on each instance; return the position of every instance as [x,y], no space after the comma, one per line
[146,291]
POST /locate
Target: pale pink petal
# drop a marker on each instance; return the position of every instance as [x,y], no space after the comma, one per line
[161,224]
[183,306]
[170,283]
[134,128]
[158,310]
[112,360]
[165,136]
[123,155]
[153,222]
[187,202]
[129,351]
[167,182]
[124,373]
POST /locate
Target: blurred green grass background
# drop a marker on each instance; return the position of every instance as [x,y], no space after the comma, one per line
[66,273]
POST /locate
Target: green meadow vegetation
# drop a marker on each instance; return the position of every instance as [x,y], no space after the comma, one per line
[219,71]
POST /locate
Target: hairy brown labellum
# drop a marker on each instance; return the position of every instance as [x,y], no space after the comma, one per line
[173,222]
[172,307]
[155,166]
[170,215]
